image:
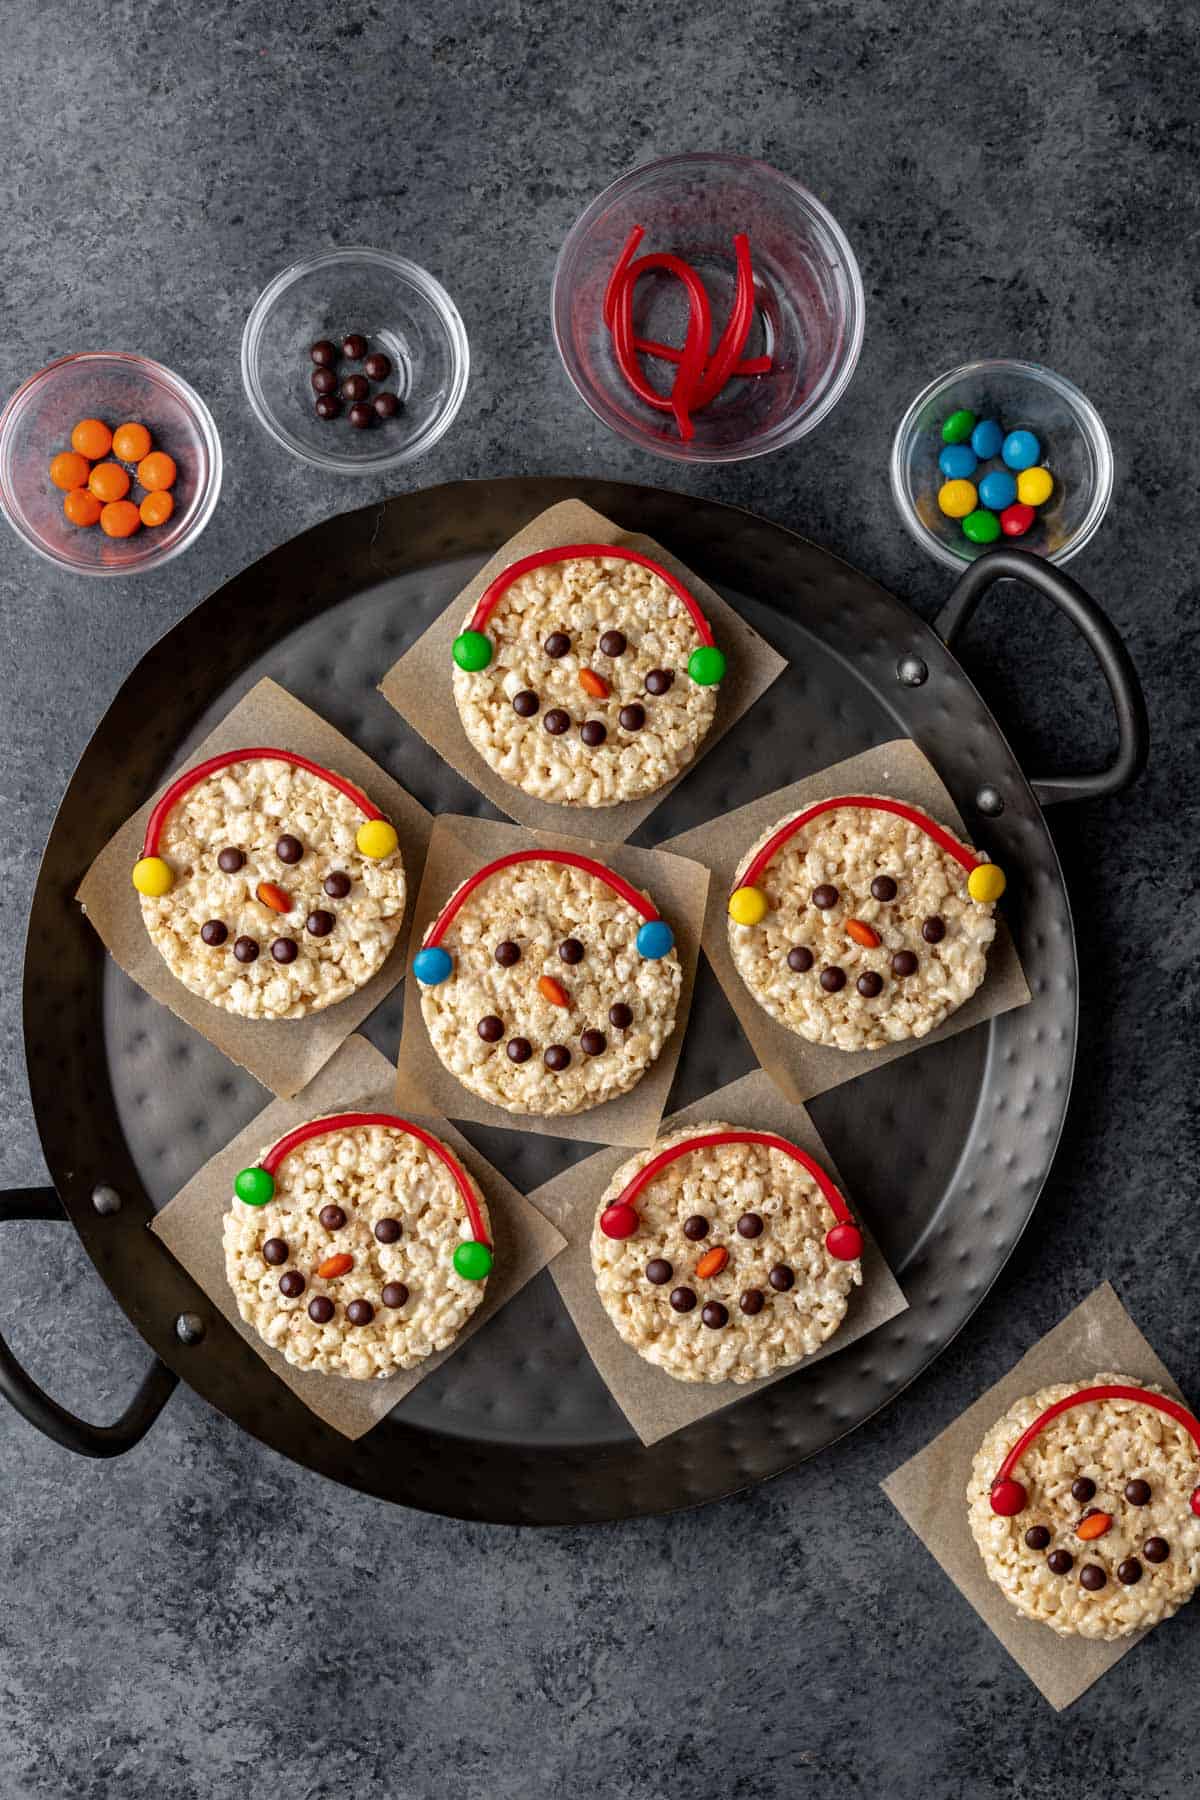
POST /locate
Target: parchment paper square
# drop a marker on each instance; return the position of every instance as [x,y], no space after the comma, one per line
[461,845]
[930,1491]
[653,1401]
[281,1053]
[357,1078]
[803,1070]
[418,686]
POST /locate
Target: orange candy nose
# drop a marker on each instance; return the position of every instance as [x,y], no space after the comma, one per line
[862,934]
[341,1264]
[553,991]
[275,897]
[1093,1526]
[593,684]
[712,1262]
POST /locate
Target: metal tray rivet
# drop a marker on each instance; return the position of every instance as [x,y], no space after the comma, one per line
[988,801]
[913,671]
[105,1199]
[189,1328]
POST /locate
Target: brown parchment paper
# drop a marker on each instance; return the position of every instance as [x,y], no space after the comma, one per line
[281,1053]
[356,1078]
[418,686]
[461,845]
[930,1491]
[654,1402]
[802,1069]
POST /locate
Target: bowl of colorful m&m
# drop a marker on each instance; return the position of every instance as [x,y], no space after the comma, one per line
[1001,452]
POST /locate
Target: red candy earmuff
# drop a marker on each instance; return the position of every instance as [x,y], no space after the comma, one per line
[1010,1496]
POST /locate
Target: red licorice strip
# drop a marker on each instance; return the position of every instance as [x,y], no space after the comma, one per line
[495,591]
[695,348]
[618,275]
[712,1140]
[775,843]
[571,858]
[737,329]
[183,784]
[1084,1397]
[751,365]
[349,1121]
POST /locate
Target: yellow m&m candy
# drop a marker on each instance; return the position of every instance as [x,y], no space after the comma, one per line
[376,839]
[747,906]
[152,877]
[986,882]
[1034,486]
[957,498]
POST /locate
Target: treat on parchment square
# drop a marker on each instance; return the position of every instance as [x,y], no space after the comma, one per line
[548,983]
[587,675]
[724,1254]
[270,886]
[357,1244]
[860,921]
[1084,1501]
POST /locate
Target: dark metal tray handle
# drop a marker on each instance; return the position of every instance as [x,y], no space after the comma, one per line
[40,1410]
[1116,665]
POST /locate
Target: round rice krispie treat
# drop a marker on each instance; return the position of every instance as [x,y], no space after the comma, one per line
[548,983]
[1084,1502]
[586,675]
[860,921]
[270,886]
[358,1244]
[723,1254]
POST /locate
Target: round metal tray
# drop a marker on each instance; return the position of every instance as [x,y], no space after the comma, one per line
[517,1426]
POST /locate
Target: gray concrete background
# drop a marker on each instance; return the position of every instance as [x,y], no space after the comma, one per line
[204,1620]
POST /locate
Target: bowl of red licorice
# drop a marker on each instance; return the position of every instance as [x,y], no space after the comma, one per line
[708,308]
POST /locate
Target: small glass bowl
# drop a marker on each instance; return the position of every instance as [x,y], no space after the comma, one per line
[116,387]
[1020,396]
[809,316]
[400,310]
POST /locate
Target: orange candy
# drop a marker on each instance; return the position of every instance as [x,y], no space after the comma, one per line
[156,471]
[119,519]
[82,507]
[69,470]
[92,438]
[108,481]
[274,897]
[553,991]
[341,1264]
[593,684]
[131,442]
[157,508]
[712,1262]
[862,934]
[1094,1526]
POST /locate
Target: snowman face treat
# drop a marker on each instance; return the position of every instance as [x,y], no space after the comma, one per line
[587,675]
[860,922]
[358,1245]
[1084,1500]
[548,983]
[270,886]
[724,1254]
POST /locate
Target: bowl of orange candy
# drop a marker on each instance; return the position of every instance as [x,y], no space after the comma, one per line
[109,463]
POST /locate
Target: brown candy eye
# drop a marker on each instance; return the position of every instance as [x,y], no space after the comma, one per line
[289,849]
[749,1225]
[613,643]
[332,1218]
[883,888]
[695,1228]
[825,896]
[1083,1488]
[658,681]
[231,861]
[388,1231]
[507,953]
[571,950]
[490,1029]
[557,644]
[1137,1493]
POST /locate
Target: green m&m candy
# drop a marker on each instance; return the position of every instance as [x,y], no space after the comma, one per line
[706,666]
[472,651]
[981,526]
[958,427]
[473,1261]
[254,1187]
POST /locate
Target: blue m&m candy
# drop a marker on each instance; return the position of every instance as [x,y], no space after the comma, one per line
[432,965]
[986,439]
[998,489]
[1021,450]
[957,462]
[655,939]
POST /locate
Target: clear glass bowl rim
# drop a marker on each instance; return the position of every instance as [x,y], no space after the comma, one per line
[783,435]
[430,290]
[1091,423]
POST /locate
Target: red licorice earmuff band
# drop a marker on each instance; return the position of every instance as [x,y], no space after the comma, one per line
[843,1240]
[1010,1496]
[747,903]
[255,1186]
[432,964]
[153,877]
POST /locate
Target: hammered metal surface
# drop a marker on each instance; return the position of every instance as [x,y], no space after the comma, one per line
[517,1425]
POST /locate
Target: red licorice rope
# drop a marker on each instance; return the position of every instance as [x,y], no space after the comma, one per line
[495,590]
[1084,1397]
[571,858]
[699,377]
[714,1139]
[350,1121]
[183,784]
[775,843]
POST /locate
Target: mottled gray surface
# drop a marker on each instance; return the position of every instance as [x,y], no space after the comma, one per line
[204,1620]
